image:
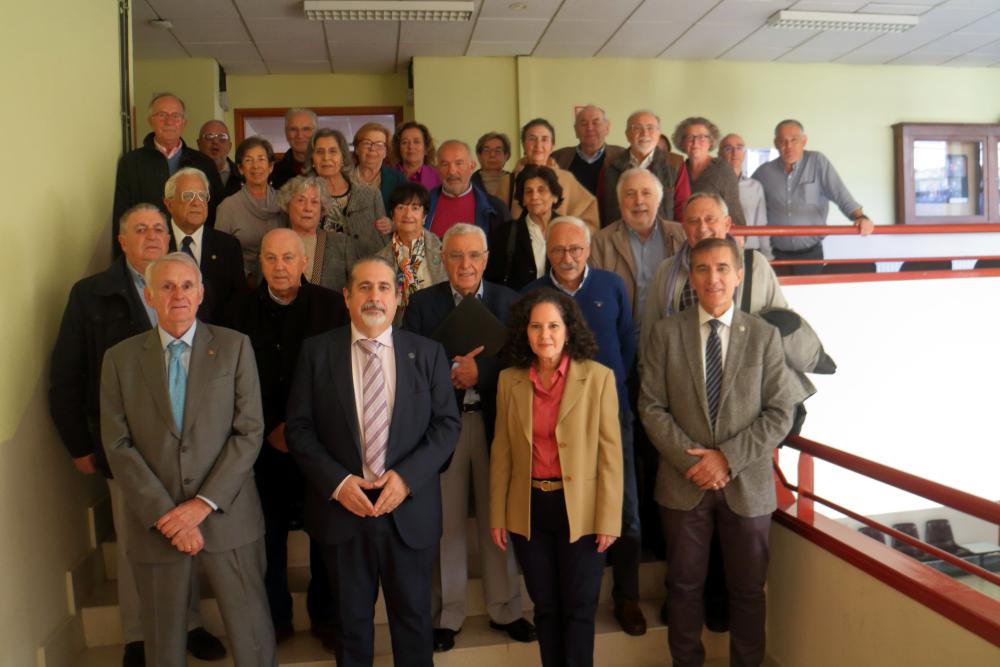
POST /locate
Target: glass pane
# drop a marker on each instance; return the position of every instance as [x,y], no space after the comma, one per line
[948,178]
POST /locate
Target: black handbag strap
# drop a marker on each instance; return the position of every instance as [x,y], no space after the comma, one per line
[747,280]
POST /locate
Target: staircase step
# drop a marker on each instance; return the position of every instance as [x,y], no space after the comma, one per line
[481,646]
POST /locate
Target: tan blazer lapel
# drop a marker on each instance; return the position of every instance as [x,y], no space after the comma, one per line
[576,378]
[523,394]
[734,355]
[201,371]
[152,368]
[691,337]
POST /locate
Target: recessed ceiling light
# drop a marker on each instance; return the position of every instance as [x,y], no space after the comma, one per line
[796,20]
[163,24]
[518,6]
[388,10]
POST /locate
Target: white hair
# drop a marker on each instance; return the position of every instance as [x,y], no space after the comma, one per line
[591,107]
[464,229]
[294,111]
[177,257]
[632,116]
[170,188]
[569,220]
[637,171]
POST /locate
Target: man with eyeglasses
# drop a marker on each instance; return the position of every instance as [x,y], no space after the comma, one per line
[643,134]
[300,124]
[475,380]
[218,254]
[103,310]
[733,150]
[143,171]
[215,141]
[458,199]
[589,159]
[602,298]
[798,188]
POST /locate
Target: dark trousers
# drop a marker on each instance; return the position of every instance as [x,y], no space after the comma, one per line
[647,462]
[744,542]
[563,579]
[815,252]
[377,555]
[281,486]
[625,554]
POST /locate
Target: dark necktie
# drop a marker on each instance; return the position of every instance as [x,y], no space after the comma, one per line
[688,296]
[713,370]
[186,245]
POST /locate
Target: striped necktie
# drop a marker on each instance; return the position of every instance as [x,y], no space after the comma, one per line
[713,370]
[688,296]
[375,430]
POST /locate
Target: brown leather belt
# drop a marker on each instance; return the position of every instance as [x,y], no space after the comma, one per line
[546,485]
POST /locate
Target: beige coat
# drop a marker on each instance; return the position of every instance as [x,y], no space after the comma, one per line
[590,452]
[577,200]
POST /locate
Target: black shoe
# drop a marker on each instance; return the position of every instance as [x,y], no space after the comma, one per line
[204,646]
[630,618]
[282,633]
[135,655]
[327,634]
[663,614]
[444,639]
[717,621]
[520,630]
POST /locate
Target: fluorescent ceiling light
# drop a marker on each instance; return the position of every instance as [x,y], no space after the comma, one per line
[388,10]
[840,21]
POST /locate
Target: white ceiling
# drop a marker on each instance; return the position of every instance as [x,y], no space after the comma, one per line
[274,37]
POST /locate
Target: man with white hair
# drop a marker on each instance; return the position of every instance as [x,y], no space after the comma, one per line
[474,377]
[300,124]
[143,171]
[219,256]
[603,301]
[458,199]
[589,159]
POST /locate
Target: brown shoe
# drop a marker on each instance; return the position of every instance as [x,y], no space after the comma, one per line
[630,617]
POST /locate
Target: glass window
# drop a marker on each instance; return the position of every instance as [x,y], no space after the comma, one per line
[947,178]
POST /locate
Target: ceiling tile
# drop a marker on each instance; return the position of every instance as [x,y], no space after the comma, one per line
[427,31]
[917,58]
[987,25]
[804,55]
[500,9]
[704,42]
[900,8]
[957,43]
[580,31]
[500,48]
[270,8]
[245,68]
[298,67]
[551,49]
[828,5]
[276,30]
[777,38]
[641,39]
[974,60]
[142,12]
[501,30]
[210,30]
[202,9]
[616,11]
[148,49]
[683,12]
[867,57]
[742,11]
[384,52]
[300,50]
[992,48]
[360,32]
[409,50]
[242,51]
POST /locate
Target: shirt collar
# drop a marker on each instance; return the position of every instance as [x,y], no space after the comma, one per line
[591,159]
[163,149]
[562,288]
[449,196]
[726,317]
[560,371]
[137,277]
[655,234]
[636,162]
[188,336]
[384,338]
[179,234]
[458,297]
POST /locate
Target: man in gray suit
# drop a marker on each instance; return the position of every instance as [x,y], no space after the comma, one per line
[181,423]
[715,402]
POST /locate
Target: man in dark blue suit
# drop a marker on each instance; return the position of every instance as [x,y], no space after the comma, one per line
[604,302]
[372,421]
[474,377]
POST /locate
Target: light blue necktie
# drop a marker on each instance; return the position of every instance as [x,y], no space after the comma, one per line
[177,381]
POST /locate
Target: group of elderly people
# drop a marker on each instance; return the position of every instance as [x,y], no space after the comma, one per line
[563,251]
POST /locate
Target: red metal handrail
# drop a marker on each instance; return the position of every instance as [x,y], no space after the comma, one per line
[964,502]
[873,260]
[853,230]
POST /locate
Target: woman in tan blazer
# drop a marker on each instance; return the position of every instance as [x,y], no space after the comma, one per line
[556,474]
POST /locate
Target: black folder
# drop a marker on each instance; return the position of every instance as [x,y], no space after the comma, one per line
[468,326]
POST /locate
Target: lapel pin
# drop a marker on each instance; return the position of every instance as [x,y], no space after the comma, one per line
[411,355]
[598,303]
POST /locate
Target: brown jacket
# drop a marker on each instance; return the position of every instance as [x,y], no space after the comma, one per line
[719,178]
[577,200]
[610,250]
[590,452]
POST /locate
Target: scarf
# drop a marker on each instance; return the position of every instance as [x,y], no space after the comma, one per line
[266,209]
[409,261]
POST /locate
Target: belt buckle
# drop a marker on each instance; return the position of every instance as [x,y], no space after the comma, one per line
[545,485]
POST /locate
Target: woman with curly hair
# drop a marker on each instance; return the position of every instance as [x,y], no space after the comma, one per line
[556,472]
[697,137]
[413,153]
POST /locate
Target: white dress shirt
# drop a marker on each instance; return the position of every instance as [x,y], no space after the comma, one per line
[705,330]
[358,360]
[537,237]
[196,237]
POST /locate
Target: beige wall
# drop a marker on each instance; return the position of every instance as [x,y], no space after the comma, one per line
[822,612]
[194,80]
[847,110]
[60,78]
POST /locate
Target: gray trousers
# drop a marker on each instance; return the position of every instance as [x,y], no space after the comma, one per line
[128,595]
[236,577]
[502,587]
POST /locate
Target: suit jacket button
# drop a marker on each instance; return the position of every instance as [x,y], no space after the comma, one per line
[562,444]
[568,478]
[184,449]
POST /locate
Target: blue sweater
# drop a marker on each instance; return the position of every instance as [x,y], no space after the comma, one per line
[605,305]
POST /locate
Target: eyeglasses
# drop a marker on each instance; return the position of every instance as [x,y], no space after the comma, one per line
[215,136]
[643,128]
[698,137]
[473,256]
[370,145]
[573,251]
[729,148]
[189,195]
[163,115]
[493,151]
